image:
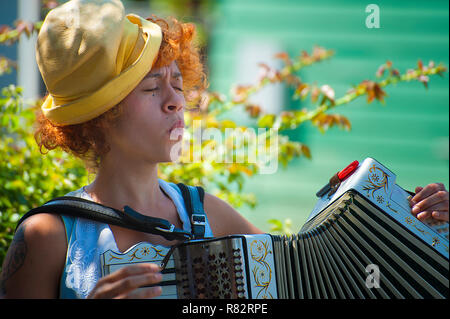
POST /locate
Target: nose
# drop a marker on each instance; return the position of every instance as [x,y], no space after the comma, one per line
[174,101]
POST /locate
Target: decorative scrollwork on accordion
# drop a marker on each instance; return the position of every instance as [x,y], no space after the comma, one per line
[262,270]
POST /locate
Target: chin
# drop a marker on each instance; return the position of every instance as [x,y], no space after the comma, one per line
[173,151]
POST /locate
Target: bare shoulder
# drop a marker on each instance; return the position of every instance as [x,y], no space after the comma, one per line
[43,226]
[35,258]
[224,219]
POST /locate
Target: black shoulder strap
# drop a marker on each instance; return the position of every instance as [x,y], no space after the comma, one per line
[193,198]
[129,218]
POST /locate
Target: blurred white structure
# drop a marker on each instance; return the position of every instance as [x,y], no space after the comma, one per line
[247,71]
[28,72]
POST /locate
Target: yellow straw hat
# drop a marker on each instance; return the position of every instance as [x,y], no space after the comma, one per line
[91,56]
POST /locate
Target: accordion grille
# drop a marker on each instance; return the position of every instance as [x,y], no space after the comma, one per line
[210,270]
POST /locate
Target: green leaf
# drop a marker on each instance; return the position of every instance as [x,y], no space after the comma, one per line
[266,120]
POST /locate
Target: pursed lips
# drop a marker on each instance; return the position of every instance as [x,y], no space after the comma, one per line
[177,128]
[177,124]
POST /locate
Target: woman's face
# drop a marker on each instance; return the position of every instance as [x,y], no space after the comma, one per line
[151,126]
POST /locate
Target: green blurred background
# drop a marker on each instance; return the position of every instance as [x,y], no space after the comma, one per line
[409,135]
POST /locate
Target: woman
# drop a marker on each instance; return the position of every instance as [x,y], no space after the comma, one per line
[117,87]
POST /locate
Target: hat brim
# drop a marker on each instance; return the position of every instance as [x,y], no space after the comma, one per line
[110,94]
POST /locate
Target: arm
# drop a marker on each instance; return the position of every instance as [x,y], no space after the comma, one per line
[35,259]
[225,220]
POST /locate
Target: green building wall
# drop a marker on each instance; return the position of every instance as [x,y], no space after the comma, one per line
[409,134]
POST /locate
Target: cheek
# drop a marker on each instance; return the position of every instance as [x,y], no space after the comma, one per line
[143,123]
[140,109]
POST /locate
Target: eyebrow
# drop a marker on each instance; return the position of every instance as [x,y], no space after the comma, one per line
[175,75]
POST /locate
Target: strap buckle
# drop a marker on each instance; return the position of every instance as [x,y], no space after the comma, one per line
[198,219]
[166,230]
[198,224]
[155,225]
[174,233]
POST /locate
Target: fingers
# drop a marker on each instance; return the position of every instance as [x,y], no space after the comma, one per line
[441,215]
[128,287]
[429,208]
[424,216]
[432,201]
[427,191]
[126,283]
[418,189]
[437,201]
[131,270]
[438,215]
[142,293]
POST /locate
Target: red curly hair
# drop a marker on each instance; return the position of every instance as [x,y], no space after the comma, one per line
[87,140]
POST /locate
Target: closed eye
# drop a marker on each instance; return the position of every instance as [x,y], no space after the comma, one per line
[155,89]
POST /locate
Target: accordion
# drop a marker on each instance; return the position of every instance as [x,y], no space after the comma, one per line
[360,241]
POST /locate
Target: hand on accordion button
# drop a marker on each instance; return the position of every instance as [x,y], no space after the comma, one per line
[136,281]
[431,201]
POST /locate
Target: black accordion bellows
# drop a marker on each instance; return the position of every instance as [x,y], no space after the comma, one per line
[329,257]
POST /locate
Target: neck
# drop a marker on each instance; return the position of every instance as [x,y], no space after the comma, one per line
[124,181]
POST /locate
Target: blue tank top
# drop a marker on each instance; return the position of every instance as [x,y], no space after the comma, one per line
[87,240]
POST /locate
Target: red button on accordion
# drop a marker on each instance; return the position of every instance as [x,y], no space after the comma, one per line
[360,241]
